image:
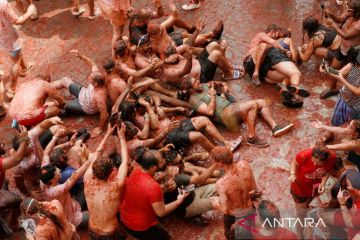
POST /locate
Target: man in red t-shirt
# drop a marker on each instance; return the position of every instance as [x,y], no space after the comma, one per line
[268,211]
[309,172]
[143,198]
[9,200]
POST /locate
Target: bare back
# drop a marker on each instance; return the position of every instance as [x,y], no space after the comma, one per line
[103,199]
[29,98]
[234,188]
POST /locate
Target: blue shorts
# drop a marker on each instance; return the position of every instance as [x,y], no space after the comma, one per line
[15,53]
[342,113]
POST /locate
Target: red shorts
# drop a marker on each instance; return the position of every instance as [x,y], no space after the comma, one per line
[33,121]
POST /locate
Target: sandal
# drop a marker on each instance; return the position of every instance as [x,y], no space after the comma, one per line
[298,91]
[79,12]
[328,93]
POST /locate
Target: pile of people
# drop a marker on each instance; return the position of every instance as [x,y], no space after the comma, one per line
[157,96]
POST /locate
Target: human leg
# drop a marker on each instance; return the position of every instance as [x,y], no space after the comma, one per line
[258,58]
[204,124]
[202,201]
[199,138]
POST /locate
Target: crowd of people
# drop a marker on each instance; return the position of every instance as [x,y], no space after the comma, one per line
[156,97]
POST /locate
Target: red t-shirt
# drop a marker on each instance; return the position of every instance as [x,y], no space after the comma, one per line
[281,234]
[355,213]
[140,192]
[2,173]
[308,174]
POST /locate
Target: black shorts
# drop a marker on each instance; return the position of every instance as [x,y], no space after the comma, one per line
[249,65]
[299,199]
[180,136]
[338,55]
[157,232]
[119,234]
[177,38]
[273,56]
[208,68]
[45,138]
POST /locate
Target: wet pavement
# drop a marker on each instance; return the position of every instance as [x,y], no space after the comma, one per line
[49,40]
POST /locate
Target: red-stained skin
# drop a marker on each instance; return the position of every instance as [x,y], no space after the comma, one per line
[49,39]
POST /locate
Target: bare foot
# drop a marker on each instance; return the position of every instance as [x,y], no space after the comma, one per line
[255,79]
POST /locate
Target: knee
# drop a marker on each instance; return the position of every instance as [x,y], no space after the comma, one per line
[263,46]
[202,119]
[261,103]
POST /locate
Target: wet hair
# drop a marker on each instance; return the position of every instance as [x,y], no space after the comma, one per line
[31,206]
[56,158]
[16,142]
[127,110]
[130,130]
[170,155]
[45,77]
[311,25]
[222,155]
[98,78]
[268,211]
[145,157]
[116,159]
[47,173]
[285,32]
[321,152]
[102,168]
[170,50]
[120,48]
[353,55]
[109,65]
[272,27]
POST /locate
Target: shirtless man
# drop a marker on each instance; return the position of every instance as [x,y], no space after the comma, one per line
[213,102]
[89,100]
[103,184]
[29,106]
[11,43]
[236,190]
[116,11]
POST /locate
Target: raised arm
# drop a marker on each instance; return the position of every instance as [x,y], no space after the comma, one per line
[16,157]
[89,61]
[344,34]
[121,98]
[339,130]
[345,146]
[123,169]
[101,146]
